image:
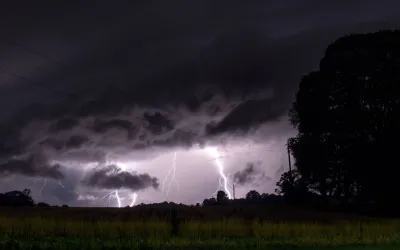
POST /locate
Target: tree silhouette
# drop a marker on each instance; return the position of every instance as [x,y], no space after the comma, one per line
[27,192]
[293,187]
[253,196]
[42,204]
[347,117]
[208,202]
[222,197]
[16,199]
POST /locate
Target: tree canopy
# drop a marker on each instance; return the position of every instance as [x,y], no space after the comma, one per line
[17,198]
[253,195]
[347,115]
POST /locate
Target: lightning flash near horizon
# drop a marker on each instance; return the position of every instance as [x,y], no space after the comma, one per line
[44,185]
[134,197]
[223,180]
[119,199]
[172,172]
[115,193]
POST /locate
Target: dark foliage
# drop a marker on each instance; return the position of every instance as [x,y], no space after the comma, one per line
[17,199]
[252,197]
[348,116]
[222,198]
[43,204]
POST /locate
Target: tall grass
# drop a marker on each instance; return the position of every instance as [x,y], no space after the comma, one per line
[340,233]
[227,233]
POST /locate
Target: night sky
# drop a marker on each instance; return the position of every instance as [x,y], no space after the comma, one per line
[97,98]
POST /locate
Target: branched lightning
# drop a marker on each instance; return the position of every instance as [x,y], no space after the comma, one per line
[171,172]
[114,194]
[223,180]
[45,184]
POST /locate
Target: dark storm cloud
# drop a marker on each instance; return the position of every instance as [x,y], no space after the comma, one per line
[85,155]
[11,144]
[101,126]
[246,115]
[178,137]
[63,124]
[249,175]
[157,123]
[148,69]
[53,143]
[236,59]
[112,177]
[31,166]
[76,141]
[73,142]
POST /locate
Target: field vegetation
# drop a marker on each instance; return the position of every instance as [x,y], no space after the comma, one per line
[190,228]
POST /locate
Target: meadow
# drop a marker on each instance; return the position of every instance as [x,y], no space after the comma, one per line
[150,228]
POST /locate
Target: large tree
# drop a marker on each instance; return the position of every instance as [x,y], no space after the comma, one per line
[348,119]
[253,196]
[222,197]
[292,186]
[17,198]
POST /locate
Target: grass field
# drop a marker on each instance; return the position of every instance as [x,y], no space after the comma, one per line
[103,229]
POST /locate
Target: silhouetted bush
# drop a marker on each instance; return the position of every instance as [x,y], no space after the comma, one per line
[42,204]
[17,199]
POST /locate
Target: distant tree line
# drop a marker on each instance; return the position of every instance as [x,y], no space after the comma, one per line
[24,199]
[252,197]
[20,199]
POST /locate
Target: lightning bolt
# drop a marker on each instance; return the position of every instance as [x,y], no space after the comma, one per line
[114,194]
[69,191]
[134,197]
[223,180]
[59,182]
[171,172]
[44,185]
[109,194]
[118,198]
